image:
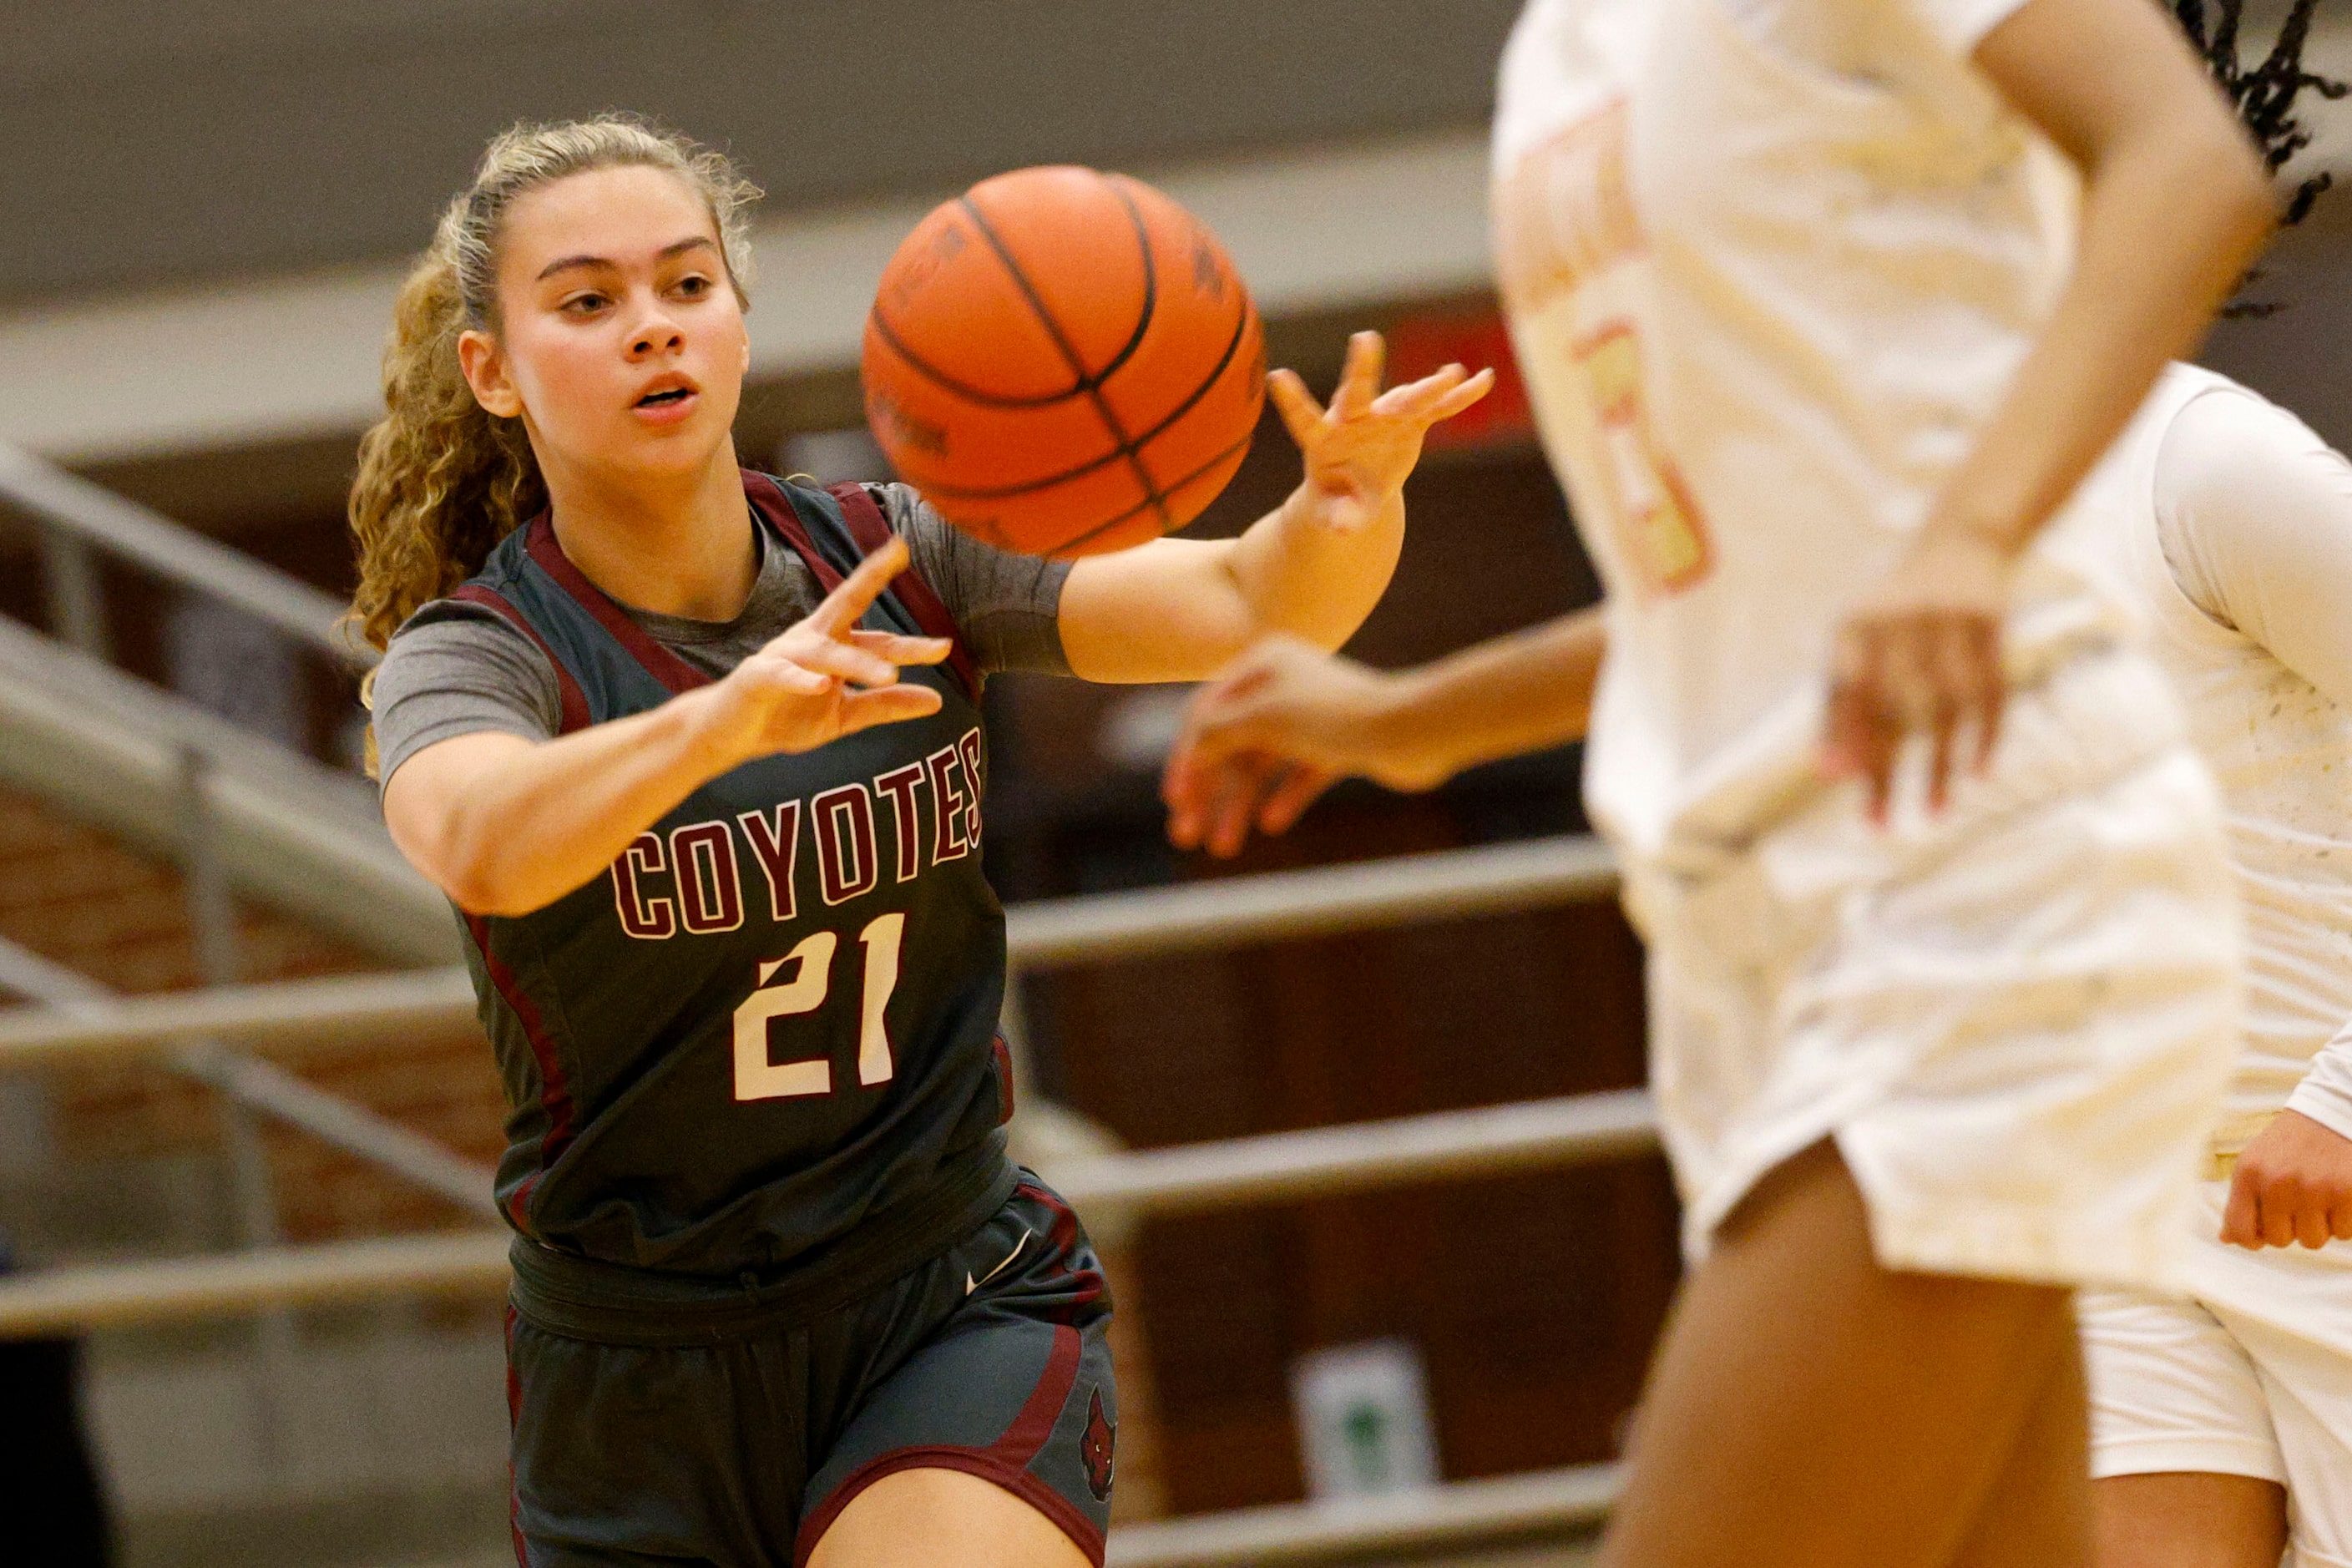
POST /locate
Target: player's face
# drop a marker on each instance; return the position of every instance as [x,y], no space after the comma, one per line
[620,338]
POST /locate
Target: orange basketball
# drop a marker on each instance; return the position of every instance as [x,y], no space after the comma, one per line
[1064,362]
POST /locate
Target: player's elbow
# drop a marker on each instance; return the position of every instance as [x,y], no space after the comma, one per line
[469,878]
[453,853]
[2248,200]
[2207,153]
[480,890]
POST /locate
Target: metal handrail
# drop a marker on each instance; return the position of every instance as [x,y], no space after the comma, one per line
[1272,1167]
[265,1087]
[1533,1502]
[1325,900]
[95,515]
[1097,928]
[111,749]
[1404,1150]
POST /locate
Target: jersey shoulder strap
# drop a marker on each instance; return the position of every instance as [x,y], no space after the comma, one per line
[844,523]
[871,530]
[573,701]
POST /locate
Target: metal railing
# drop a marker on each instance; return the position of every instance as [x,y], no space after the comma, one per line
[1457,884]
[78,519]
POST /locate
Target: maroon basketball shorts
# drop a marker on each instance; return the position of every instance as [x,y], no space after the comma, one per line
[991,1359]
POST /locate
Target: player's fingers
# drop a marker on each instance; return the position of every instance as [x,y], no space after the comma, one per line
[1254,777]
[2278,1205]
[1360,381]
[1462,396]
[1226,809]
[1288,801]
[1956,694]
[847,604]
[1845,738]
[775,673]
[1184,789]
[1301,415]
[1194,773]
[1991,698]
[885,705]
[2242,1217]
[1864,735]
[1417,398]
[2311,1226]
[2340,1217]
[845,661]
[900,650]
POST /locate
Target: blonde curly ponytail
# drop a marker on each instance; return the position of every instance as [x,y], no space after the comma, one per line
[440,480]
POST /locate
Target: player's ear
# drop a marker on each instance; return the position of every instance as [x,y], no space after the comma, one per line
[485,364]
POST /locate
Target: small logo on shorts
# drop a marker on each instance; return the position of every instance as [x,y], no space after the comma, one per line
[1102,1438]
[971,1284]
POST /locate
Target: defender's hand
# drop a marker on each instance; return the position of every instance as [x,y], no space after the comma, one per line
[1921,655]
[1283,724]
[1359,450]
[826,676]
[2293,1187]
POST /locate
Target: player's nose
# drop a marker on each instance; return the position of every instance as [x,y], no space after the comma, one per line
[657,333]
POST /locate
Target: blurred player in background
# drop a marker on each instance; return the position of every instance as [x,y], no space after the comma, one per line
[780,1297]
[2222,1426]
[51,1495]
[1822,329]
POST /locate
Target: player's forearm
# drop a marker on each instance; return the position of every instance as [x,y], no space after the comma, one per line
[511,829]
[1296,572]
[1502,698]
[2172,216]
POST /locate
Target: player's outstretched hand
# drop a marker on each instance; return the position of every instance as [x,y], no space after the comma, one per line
[1283,724]
[826,676]
[2293,1186]
[1360,449]
[1921,655]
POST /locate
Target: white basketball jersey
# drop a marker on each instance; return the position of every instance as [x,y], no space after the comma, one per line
[2281,753]
[1763,305]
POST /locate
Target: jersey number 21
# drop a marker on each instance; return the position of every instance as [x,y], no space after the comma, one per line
[757,1078]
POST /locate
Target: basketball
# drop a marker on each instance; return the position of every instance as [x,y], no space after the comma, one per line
[1064,362]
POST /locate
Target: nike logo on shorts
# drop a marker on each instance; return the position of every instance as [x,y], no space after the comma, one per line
[971,1284]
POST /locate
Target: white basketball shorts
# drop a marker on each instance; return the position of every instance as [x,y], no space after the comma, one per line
[2251,1375]
[2016,1017]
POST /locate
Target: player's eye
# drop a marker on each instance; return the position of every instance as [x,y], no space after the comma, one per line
[693,285]
[583,304]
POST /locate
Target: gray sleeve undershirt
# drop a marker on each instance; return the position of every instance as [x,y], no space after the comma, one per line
[1008,606]
[456,668]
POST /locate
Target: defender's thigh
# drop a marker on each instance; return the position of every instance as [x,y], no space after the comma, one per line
[1812,1409]
[2037,1509]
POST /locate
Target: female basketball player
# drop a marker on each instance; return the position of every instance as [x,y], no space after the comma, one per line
[2211,1417]
[1932,1042]
[2222,1426]
[707,788]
